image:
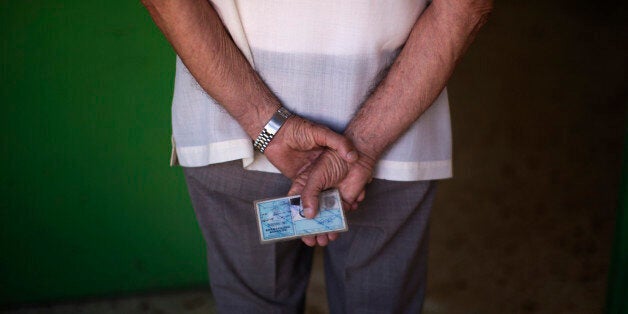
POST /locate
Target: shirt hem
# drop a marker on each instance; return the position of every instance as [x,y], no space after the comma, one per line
[213,153]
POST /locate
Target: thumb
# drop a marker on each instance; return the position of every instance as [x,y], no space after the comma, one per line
[298,184]
[309,196]
[309,200]
[328,170]
[325,137]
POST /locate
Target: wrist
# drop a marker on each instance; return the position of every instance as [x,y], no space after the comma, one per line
[367,146]
[268,132]
[366,161]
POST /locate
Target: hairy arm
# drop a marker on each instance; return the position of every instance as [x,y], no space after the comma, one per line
[198,36]
[435,45]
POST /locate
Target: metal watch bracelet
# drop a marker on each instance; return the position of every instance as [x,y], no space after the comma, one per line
[271,128]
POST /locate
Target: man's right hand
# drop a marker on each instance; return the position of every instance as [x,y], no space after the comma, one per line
[300,142]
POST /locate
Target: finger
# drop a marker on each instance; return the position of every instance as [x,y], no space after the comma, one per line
[333,236]
[350,191]
[322,240]
[328,138]
[352,188]
[310,193]
[309,200]
[297,184]
[346,205]
[309,241]
[361,196]
[327,172]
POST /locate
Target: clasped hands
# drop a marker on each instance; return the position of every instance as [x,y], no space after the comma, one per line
[316,158]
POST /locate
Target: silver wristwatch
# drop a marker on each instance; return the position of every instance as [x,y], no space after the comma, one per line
[271,128]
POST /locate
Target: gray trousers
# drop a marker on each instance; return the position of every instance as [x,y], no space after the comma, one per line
[378,266]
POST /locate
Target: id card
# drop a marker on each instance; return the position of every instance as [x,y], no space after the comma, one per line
[282,218]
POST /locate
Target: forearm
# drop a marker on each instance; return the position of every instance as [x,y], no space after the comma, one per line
[198,36]
[436,43]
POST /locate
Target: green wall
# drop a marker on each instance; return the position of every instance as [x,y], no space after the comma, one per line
[89,203]
[617,295]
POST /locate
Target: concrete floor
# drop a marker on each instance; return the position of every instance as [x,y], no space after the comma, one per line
[539,107]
